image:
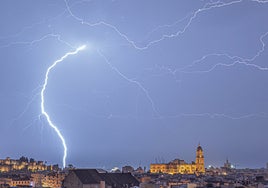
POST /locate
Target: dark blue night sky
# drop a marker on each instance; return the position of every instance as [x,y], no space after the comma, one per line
[156,78]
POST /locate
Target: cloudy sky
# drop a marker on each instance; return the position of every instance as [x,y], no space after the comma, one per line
[156,78]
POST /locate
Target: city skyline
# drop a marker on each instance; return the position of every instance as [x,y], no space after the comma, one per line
[154,80]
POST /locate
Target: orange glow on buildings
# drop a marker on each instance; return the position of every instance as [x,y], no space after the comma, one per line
[178,166]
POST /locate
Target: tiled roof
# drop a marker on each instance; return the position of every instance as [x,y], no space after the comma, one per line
[120,179]
[88,176]
[116,180]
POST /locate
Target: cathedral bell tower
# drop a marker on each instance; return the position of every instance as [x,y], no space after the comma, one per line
[199,160]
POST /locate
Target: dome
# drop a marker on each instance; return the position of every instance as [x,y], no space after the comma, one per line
[199,148]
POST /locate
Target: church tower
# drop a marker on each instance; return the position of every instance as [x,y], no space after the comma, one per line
[199,160]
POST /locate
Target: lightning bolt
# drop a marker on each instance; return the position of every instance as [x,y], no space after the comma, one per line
[193,15]
[43,111]
[50,35]
[188,20]
[235,60]
[145,91]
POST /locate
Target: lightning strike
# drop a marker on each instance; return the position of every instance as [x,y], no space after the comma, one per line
[26,108]
[206,7]
[50,35]
[43,111]
[190,17]
[236,60]
[217,115]
[131,81]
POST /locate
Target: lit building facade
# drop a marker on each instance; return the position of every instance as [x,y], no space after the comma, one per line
[178,166]
[21,182]
[7,165]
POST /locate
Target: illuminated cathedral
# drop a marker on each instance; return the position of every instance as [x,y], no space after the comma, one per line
[179,166]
